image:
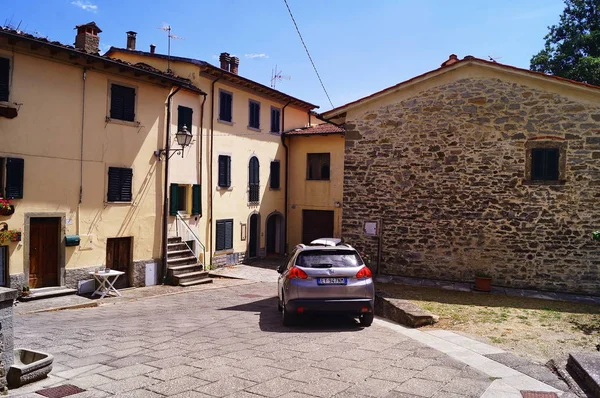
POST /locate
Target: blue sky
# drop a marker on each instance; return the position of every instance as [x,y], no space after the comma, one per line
[359,47]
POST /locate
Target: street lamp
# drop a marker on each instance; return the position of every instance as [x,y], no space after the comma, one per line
[183,137]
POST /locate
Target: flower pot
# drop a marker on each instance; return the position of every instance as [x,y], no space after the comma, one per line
[7,211]
[16,237]
[483,284]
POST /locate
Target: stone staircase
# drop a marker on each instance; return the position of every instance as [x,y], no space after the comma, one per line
[183,268]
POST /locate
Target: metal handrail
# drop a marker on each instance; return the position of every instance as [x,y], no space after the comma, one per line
[181,221]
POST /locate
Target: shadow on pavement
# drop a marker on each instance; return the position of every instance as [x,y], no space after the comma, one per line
[271,262]
[270,319]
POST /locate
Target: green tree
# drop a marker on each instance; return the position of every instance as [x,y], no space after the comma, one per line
[572,47]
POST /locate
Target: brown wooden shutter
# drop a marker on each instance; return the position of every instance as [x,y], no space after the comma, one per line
[126,185]
[15,171]
[275,175]
[174,197]
[196,200]
[224,171]
[4,78]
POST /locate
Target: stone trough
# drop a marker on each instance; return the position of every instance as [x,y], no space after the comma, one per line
[29,366]
[402,311]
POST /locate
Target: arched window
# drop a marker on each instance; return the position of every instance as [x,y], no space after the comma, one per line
[253,180]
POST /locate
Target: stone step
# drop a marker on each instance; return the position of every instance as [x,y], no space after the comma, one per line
[584,367]
[189,276]
[47,292]
[196,282]
[177,246]
[183,269]
[179,253]
[174,239]
[182,261]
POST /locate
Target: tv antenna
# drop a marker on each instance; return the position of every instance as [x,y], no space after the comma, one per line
[494,59]
[277,76]
[167,28]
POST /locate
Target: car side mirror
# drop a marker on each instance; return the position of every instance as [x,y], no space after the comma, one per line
[280,269]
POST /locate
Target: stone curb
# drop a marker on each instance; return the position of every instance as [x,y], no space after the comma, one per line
[66,307]
[403,312]
[585,369]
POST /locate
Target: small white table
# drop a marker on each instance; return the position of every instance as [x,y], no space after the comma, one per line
[106,286]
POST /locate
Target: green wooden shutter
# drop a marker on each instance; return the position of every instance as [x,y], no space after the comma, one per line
[220,235]
[15,171]
[275,173]
[196,200]
[113,193]
[116,102]
[126,184]
[228,175]
[224,165]
[174,197]
[4,78]
[129,104]
[228,234]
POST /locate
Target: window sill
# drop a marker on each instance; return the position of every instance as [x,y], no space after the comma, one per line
[224,251]
[8,110]
[275,132]
[225,122]
[318,179]
[118,203]
[253,204]
[544,182]
[224,188]
[274,189]
[257,129]
[123,122]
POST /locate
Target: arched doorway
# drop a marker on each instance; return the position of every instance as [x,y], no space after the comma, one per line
[275,234]
[254,233]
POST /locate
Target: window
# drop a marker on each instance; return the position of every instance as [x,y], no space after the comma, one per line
[4,78]
[185,198]
[224,171]
[317,166]
[184,117]
[3,266]
[11,178]
[544,164]
[224,235]
[254,118]
[119,184]
[275,120]
[275,172]
[122,102]
[253,180]
[225,106]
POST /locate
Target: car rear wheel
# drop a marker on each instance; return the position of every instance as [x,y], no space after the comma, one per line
[366,319]
[287,318]
[279,307]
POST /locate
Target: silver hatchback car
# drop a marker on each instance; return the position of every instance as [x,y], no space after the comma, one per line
[326,276]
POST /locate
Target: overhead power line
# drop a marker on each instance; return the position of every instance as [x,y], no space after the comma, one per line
[307,52]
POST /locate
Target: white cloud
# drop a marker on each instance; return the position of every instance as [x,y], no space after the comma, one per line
[256,55]
[85,5]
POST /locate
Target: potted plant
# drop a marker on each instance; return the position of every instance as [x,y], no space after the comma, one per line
[10,235]
[483,282]
[6,207]
[25,291]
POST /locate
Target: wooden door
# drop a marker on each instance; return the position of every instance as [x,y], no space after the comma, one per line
[316,224]
[44,242]
[253,240]
[118,257]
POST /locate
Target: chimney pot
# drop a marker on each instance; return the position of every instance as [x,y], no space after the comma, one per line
[224,58]
[131,36]
[234,65]
[451,60]
[87,38]
[152,48]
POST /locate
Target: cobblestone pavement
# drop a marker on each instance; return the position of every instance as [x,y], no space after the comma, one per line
[230,342]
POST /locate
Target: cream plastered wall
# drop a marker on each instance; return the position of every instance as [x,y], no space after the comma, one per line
[47,135]
[241,143]
[314,195]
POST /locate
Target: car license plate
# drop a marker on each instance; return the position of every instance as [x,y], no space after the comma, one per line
[331,281]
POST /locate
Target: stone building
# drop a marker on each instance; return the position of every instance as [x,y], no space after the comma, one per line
[477,167]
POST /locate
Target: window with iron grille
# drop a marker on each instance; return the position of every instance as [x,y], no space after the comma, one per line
[122,102]
[4,78]
[225,106]
[317,166]
[253,180]
[119,184]
[224,171]
[544,164]
[224,234]
[275,120]
[254,117]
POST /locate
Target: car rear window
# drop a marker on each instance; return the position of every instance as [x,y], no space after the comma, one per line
[328,259]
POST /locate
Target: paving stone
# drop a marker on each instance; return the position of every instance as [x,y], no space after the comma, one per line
[467,386]
[439,373]
[335,364]
[395,374]
[414,363]
[398,394]
[372,388]
[251,363]
[353,375]
[88,381]
[173,372]
[297,363]
[169,362]
[128,361]
[276,387]
[395,354]
[374,363]
[324,387]
[218,373]
[420,387]
[192,394]
[122,386]
[129,371]
[308,375]
[356,354]
[225,386]
[179,385]
[262,373]
[91,360]
[82,371]
[141,393]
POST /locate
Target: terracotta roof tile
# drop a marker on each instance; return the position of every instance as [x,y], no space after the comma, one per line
[320,129]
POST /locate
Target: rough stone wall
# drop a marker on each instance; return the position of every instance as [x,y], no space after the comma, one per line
[223,260]
[7,297]
[445,172]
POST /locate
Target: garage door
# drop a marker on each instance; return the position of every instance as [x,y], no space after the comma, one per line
[316,224]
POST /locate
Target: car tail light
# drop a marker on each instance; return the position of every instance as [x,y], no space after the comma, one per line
[300,310]
[297,273]
[364,272]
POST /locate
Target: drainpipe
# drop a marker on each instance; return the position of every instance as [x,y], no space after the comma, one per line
[210,164]
[287,157]
[84,77]
[200,145]
[166,188]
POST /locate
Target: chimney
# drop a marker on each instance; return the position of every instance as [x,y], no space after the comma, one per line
[451,60]
[131,35]
[224,58]
[152,48]
[87,38]
[234,65]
